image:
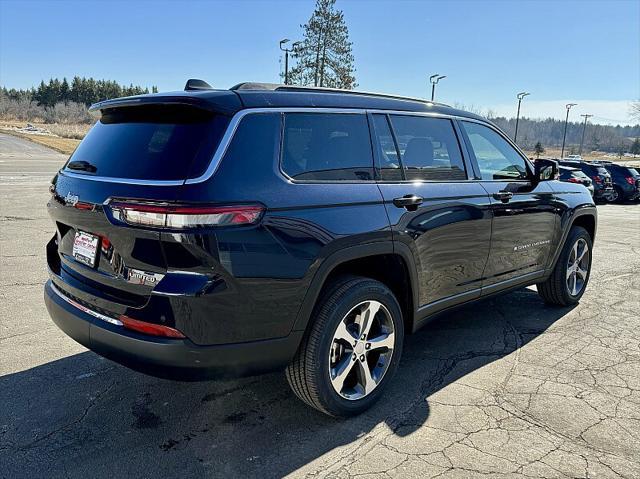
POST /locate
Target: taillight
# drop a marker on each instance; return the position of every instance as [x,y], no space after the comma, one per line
[573,180]
[630,180]
[184,216]
[597,179]
[149,328]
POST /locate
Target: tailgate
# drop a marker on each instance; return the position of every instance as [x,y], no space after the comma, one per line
[142,153]
[125,261]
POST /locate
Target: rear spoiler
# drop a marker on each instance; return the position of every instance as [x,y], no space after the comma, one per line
[222,101]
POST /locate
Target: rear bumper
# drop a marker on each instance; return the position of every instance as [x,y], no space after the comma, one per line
[630,192]
[178,359]
[603,193]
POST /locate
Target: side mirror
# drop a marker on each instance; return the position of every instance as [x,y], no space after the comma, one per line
[546,170]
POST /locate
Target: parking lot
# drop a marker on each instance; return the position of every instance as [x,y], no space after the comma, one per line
[502,388]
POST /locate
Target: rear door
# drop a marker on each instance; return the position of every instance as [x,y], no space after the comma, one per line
[133,153]
[524,222]
[441,215]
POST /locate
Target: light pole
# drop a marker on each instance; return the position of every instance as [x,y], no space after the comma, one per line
[566,121]
[584,127]
[434,79]
[286,57]
[520,96]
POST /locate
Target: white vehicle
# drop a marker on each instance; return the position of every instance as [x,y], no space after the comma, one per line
[574,158]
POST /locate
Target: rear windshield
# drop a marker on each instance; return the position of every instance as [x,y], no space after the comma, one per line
[155,142]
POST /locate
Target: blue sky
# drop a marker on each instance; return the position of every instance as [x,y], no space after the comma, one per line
[586,52]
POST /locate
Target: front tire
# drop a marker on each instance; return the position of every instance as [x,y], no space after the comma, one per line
[570,276]
[351,351]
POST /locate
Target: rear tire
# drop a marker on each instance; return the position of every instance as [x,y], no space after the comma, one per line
[618,195]
[570,276]
[357,324]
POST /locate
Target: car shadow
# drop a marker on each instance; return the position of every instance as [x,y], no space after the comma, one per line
[84,416]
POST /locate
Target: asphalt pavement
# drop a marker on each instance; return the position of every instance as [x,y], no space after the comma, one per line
[507,387]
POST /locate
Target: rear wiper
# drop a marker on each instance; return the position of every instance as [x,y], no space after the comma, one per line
[82,165]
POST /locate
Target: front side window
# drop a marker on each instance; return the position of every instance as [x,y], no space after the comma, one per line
[497,159]
[327,147]
[428,148]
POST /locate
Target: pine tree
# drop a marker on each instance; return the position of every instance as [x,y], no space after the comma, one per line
[538,149]
[64,91]
[324,57]
[635,147]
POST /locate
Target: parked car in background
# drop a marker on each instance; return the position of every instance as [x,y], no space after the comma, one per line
[574,158]
[626,182]
[602,182]
[575,175]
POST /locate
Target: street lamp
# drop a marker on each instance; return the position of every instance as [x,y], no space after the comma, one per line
[286,57]
[566,121]
[520,96]
[584,127]
[434,79]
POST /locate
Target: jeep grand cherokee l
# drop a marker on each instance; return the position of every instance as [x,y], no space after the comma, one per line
[211,233]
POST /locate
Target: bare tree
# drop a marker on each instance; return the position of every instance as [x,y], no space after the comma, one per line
[324,57]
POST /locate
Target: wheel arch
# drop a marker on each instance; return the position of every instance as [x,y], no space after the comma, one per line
[585,216]
[588,222]
[391,264]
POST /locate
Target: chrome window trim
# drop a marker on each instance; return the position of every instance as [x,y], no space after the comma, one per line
[124,181]
[237,118]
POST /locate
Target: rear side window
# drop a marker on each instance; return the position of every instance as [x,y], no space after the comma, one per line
[497,159]
[428,147]
[155,142]
[389,159]
[327,147]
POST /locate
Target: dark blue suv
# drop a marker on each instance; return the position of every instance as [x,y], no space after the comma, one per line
[212,233]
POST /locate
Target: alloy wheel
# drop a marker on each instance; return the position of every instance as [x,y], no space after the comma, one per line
[361,350]
[578,267]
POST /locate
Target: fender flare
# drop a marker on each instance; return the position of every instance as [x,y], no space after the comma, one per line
[347,254]
[577,212]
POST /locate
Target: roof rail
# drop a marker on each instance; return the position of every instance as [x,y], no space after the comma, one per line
[249,85]
[315,89]
[353,92]
[193,84]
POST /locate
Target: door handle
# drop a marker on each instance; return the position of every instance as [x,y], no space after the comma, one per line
[410,202]
[503,196]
